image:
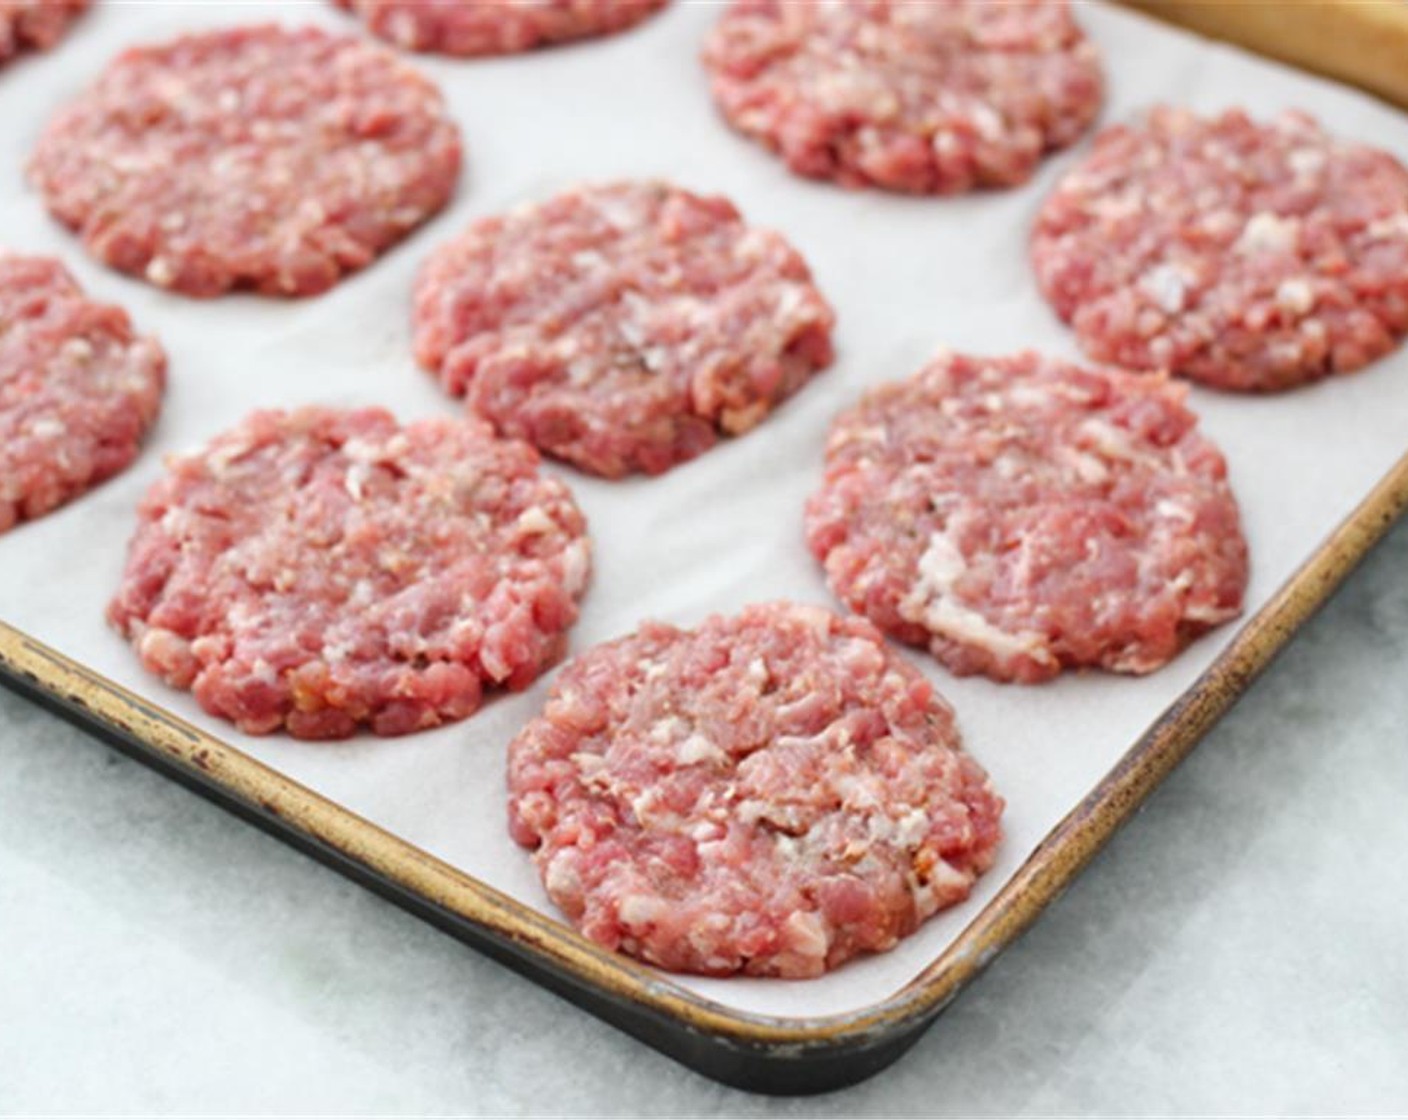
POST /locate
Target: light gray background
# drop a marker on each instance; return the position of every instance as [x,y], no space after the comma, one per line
[1238,948]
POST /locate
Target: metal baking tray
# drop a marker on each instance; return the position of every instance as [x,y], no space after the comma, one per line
[1321,474]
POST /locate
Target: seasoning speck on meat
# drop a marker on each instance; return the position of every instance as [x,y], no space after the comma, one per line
[933,97]
[261,157]
[1245,256]
[621,327]
[78,388]
[1021,515]
[771,794]
[321,570]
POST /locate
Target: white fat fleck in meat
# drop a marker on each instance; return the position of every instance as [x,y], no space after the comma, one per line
[806,935]
[576,566]
[1089,468]
[47,427]
[697,748]
[943,876]
[561,874]
[751,811]
[1295,295]
[619,211]
[1029,396]
[911,828]
[1265,232]
[338,650]
[1174,511]
[758,672]
[858,790]
[160,272]
[668,729]
[358,474]
[361,451]
[263,672]
[1167,286]
[229,452]
[587,763]
[790,297]
[988,121]
[535,520]
[1110,440]
[1395,225]
[788,846]
[932,600]
[1305,162]
[641,909]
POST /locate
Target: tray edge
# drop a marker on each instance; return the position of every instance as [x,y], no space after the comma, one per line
[756,1052]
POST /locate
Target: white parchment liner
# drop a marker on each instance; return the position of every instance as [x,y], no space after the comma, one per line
[905,276]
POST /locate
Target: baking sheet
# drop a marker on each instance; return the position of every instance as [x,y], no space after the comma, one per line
[905,275]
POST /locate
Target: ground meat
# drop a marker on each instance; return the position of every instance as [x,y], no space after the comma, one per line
[1021,515]
[78,389]
[259,157]
[37,24]
[621,327]
[487,27]
[320,570]
[771,794]
[934,97]
[1247,256]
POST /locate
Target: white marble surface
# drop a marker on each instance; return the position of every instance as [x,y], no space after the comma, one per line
[1238,948]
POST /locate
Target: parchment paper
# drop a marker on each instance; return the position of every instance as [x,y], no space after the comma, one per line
[905,275]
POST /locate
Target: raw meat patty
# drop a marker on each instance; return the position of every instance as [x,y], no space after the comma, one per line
[484,27]
[78,389]
[621,327]
[771,794]
[1020,515]
[934,97]
[320,570]
[37,24]
[258,157]
[1246,256]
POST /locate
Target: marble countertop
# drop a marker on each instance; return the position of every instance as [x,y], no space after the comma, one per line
[1238,948]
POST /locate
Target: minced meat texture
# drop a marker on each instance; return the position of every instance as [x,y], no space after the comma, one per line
[79,389]
[322,570]
[1022,515]
[771,794]
[935,97]
[1246,256]
[621,327]
[259,157]
[491,27]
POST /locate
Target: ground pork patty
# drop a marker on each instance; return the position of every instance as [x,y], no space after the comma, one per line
[771,793]
[320,570]
[1021,515]
[78,389]
[258,157]
[932,98]
[36,24]
[488,27]
[1246,256]
[621,327]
